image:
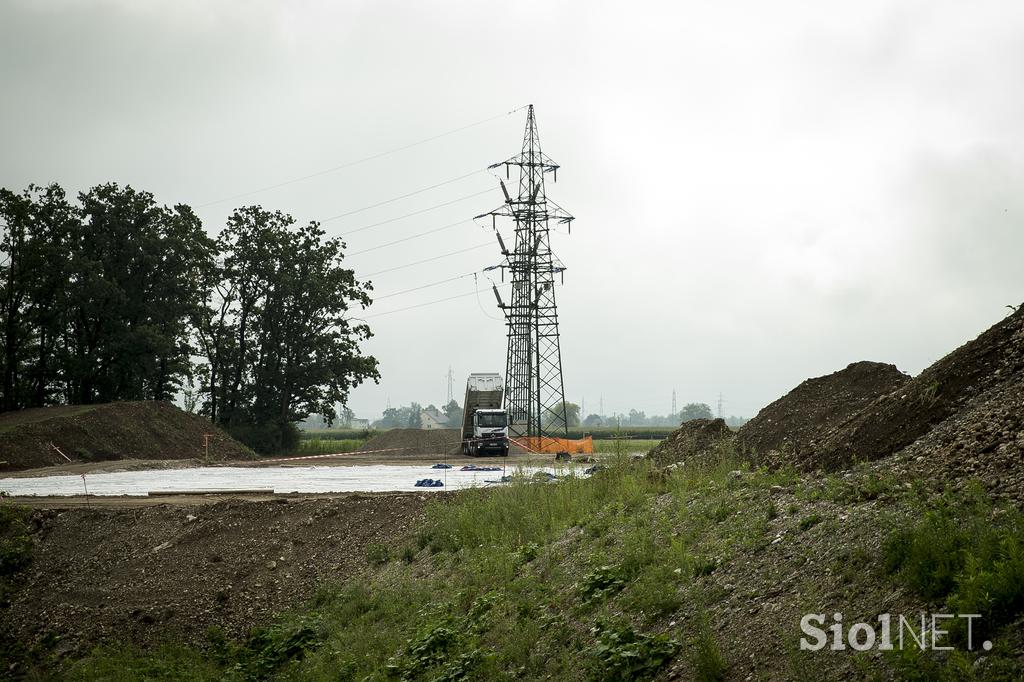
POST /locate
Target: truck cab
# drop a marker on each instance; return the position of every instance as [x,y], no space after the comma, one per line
[490,433]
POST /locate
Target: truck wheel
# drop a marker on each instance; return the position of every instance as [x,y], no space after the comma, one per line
[465,449]
[474,450]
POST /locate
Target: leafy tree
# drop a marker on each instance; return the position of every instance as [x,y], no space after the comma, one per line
[637,418]
[345,417]
[692,411]
[572,415]
[134,266]
[593,421]
[96,299]
[275,328]
[413,421]
[454,413]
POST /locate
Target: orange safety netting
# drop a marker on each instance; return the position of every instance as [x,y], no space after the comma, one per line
[555,445]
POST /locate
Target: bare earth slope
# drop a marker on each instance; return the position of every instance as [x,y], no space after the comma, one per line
[989,369]
[790,428]
[127,430]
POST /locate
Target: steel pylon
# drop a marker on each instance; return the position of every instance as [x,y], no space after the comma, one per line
[534,388]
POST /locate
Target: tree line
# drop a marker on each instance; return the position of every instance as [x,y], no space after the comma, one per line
[114,297]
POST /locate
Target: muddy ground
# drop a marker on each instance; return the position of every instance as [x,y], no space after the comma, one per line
[165,569]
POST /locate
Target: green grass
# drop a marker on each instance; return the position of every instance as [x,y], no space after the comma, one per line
[966,554]
[605,577]
[569,579]
[624,445]
[337,434]
[327,446]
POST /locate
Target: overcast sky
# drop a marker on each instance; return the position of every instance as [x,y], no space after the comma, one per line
[764,192]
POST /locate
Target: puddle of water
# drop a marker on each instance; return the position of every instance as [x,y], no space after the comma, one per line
[291,479]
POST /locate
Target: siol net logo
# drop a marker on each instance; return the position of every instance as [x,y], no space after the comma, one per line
[928,633]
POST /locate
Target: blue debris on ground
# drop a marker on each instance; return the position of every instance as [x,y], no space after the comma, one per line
[441,466]
[474,467]
[429,483]
[594,469]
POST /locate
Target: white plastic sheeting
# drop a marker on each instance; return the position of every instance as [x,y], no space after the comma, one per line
[291,479]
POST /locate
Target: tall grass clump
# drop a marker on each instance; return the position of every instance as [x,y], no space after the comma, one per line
[525,512]
[967,554]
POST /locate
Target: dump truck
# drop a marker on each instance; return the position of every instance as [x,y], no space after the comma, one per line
[484,423]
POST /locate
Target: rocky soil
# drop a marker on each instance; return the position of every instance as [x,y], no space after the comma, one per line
[170,572]
[982,377]
[149,430]
[694,439]
[791,428]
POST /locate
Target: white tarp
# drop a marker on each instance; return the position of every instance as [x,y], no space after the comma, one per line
[290,479]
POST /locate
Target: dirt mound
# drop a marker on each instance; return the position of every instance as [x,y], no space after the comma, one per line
[789,429]
[415,441]
[171,572]
[693,439]
[89,433]
[982,380]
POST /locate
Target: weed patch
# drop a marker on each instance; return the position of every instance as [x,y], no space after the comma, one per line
[622,653]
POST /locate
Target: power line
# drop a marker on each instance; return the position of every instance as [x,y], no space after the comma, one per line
[407,215]
[424,286]
[405,196]
[422,305]
[413,236]
[356,162]
[427,260]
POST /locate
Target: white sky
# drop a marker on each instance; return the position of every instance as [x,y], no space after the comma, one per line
[764,192]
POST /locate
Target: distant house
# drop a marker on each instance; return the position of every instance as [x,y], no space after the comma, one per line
[433,419]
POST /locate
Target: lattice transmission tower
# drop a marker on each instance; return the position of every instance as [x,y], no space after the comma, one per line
[534,390]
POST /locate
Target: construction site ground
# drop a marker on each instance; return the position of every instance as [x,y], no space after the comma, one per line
[148,568]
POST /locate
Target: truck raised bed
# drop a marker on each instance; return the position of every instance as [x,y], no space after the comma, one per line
[484,423]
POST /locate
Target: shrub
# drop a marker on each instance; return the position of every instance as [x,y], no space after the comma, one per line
[967,555]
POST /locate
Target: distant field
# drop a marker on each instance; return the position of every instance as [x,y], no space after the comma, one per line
[328,446]
[624,445]
[338,434]
[603,433]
